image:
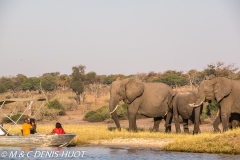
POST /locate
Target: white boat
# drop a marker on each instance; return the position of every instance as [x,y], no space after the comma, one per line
[32,140]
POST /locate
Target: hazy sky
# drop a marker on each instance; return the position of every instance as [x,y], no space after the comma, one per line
[117,36]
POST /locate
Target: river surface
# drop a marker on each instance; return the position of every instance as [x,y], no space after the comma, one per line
[102,153]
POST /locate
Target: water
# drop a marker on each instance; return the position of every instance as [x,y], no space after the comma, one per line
[96,152]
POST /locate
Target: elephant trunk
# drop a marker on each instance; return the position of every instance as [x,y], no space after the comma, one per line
[113,111]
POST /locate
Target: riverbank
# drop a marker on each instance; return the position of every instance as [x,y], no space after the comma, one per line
[206,142]
[134,143]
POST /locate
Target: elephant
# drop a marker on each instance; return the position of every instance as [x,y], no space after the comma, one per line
[180,106]
[226,92]
[149,99]
[234,121]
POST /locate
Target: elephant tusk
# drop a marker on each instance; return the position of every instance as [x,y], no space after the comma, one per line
[165,114]
[195,105]
[114,109]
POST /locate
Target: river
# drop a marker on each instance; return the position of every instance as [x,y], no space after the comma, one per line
[104,153]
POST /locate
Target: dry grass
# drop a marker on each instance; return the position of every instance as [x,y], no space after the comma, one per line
[206,142]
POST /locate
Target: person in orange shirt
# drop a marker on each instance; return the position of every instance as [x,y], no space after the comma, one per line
[26,128]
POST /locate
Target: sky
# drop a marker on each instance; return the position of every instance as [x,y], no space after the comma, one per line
[117,36]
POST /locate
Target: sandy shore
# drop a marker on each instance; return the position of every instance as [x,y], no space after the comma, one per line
[133,142]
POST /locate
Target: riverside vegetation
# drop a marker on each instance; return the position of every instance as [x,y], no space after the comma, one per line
[206,142]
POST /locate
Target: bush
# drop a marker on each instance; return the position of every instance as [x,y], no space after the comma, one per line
[98,115]
[14,117]
[103,113]
[210,111]
[50,114]
[122,111]
[212,108]
[55,104]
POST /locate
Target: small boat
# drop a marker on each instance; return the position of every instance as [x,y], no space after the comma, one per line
[37,140]
[32,140]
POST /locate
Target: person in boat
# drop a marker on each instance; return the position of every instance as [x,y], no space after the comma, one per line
[33,130]
[26,127]
[58,129]
[2,131]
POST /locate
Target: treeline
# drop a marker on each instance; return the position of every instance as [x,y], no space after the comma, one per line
[79,80]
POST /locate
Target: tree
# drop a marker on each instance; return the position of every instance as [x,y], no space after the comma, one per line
[194,78]
[49,82]
[77,81]
[91,78]
[63,81]
[3,89]
[9,84]
[172,78]
[30,83]
[219,69]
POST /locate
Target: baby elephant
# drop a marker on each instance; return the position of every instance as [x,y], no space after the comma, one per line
[180,106]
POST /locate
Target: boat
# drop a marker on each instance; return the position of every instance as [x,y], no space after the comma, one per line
[32,140]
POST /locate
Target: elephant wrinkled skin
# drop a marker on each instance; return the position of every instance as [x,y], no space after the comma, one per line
[149,99]
[226,92]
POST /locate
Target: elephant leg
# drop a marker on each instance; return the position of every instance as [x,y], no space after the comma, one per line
[132,112]
[196,120]
[225,113]
[132,122]
[217,122]
[185,125]
[176,121]
[168,122]
[157,121]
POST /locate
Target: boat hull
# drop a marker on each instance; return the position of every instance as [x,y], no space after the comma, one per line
[37,140]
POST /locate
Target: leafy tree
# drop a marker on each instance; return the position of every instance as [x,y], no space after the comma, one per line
[77,81]
[21,78]
[7,83]
[2,88]
[49,82]
[10,84]
[30,83]
[91,78]
[172,78]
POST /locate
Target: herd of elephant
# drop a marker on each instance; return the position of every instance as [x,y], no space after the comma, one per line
[159,101]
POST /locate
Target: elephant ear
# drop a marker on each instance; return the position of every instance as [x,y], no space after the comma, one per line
[134,88]
[222,87]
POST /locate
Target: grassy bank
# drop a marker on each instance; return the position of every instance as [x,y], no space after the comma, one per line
[202,143]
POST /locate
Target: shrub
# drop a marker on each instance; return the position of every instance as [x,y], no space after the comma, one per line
[210,111]
[14,117]
[212,108]
[50,114]
[98,115]
[102,114]
[55,104]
